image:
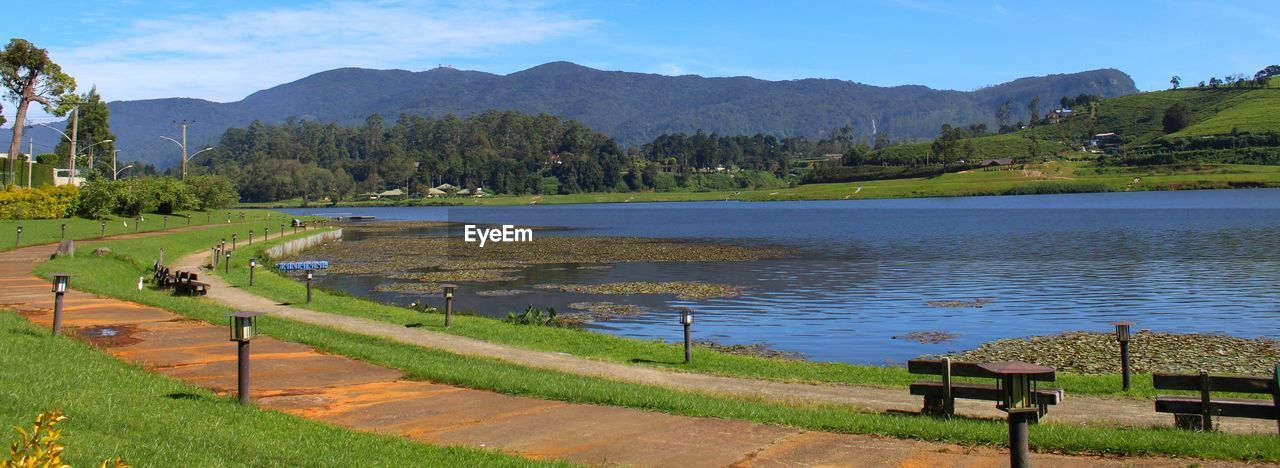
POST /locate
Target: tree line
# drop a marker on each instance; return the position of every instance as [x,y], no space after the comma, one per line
[499,152]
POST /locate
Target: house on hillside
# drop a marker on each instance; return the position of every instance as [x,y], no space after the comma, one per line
[1103,142]
[995,163]
[393,193]
[1056,115]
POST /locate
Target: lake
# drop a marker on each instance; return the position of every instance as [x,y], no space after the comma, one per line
[866,271]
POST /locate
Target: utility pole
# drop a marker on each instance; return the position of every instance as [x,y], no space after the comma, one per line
[182,144]
[75,125]
[184,150]
[31,156]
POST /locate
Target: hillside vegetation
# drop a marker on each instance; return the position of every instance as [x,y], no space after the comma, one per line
[1224,125]
[633,108]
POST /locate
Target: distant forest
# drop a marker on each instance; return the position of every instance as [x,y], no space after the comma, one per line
[500,152]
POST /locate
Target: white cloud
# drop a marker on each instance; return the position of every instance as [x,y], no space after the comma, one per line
[225,56]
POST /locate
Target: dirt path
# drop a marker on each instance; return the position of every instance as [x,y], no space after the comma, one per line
[1074,409]
[297,379]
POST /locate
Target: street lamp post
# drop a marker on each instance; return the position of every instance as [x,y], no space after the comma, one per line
[243,328]
[183,144]
[60,281]
[686,319]
[448,303]
[310,276]
[1122,336]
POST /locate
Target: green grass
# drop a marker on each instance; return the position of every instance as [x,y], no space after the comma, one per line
[116,409]
[1247,111]
[104,275]
[44,231]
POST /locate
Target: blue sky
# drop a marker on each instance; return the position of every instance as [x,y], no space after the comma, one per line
[224,50]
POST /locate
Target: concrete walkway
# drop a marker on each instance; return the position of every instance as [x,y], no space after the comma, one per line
[335,389]
[1092,411]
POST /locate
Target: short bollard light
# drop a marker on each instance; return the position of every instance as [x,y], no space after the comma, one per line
[1016,381]
[281,230]
[137,222]
[213,256]
[19,241]
[233,241]
[310,276]
[448,303]
[208,218]
[188,220]
[64,231]
[103,231]
[166,221]
[1122,336]
[243,328]
[60,281]
[251,237]
[686,319]
[226,267]
[253,264]
[266,233]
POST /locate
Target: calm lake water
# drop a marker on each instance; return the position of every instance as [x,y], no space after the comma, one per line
[1191,261]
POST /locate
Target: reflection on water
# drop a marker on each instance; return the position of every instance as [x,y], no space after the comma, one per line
[1172,261]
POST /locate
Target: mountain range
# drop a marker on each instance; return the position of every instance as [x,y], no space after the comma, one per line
[632,107]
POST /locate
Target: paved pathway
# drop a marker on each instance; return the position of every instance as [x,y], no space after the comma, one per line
[1074,409]
[297,379]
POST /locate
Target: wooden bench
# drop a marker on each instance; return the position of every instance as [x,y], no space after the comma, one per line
[940,396]
[188,284]
[1197,412]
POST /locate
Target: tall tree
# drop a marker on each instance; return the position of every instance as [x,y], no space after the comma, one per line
[1004,115]
[1175,81]
[30,76]
[95,127]
[1033,108]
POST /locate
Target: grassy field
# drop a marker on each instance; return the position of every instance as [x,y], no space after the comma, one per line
[116,409]
[44,231]
[103,275]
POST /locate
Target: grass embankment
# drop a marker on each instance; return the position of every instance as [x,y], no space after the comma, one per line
[44,231]
[116,409]
[106,275]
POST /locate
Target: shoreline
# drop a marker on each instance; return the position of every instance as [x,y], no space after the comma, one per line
[983,185]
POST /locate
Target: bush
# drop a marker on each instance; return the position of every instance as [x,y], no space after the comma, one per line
[134,196]
[38,203]
[534,316]
[213,192]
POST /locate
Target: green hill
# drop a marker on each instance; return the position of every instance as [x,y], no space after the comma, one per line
[1252,115]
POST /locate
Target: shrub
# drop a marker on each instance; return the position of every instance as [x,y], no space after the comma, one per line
[212,192]
[41,447]
[534,316]
[38,203]
[171,195]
